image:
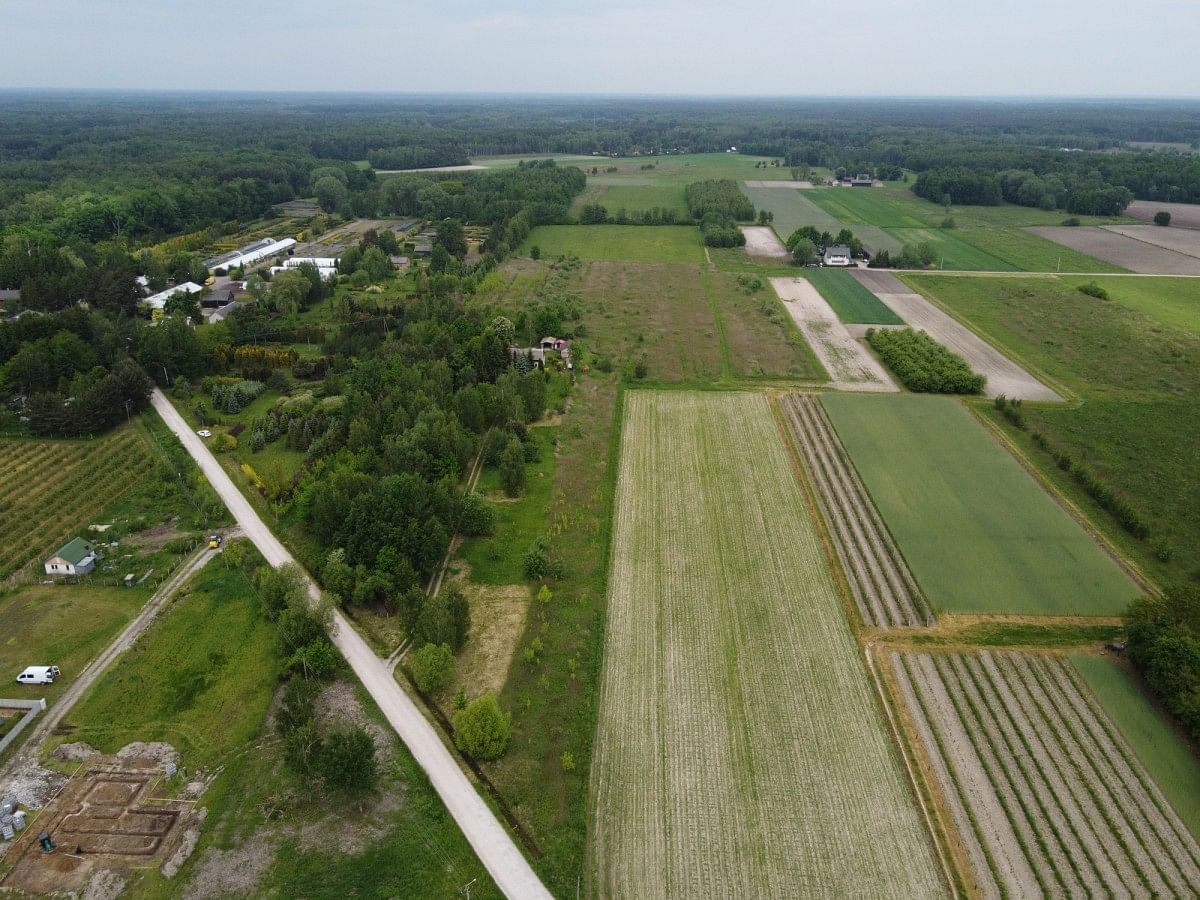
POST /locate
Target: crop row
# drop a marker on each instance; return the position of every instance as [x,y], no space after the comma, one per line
[740,750]
[1046,797]
[883,587]
[60,485]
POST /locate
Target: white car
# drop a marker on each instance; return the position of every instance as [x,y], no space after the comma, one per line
[38,675]
[204,432]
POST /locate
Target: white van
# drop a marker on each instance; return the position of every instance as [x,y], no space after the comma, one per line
[38,675]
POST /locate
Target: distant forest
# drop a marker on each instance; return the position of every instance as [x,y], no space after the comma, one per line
[107,166]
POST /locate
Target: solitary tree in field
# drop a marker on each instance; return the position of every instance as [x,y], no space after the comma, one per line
[348,764]
[1162,218]
[512,468]
[482,729]
[804,252]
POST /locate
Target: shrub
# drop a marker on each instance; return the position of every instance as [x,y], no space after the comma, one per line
[478,517]
[924,365]
[1162,218]
[1071,222]
[1093,290]
[482,729]
[347,762]
[432,667]
[512,468]
[536,561]
[949,222]
[535,252]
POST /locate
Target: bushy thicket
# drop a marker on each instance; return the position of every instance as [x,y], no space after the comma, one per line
[719,230]
[597,214]
[1164,646]
[922,364]
[718,195]
[234,396]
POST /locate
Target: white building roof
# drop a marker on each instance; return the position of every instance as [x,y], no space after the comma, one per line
[159,300]
[321,262]
[269,247]
[324,271]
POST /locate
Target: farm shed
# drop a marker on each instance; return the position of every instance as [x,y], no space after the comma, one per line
[159,300]
[75,557]
[423,249]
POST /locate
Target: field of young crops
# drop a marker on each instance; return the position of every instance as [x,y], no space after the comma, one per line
[883,587]
[740,748]
[49,489]
[1046,797]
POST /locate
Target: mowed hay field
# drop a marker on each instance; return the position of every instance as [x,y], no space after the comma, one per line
[979,533]
[635,243]
[48,489]
[740,748]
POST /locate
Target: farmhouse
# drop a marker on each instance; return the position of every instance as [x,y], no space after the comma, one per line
[75,557]
[862,181]
[838,255]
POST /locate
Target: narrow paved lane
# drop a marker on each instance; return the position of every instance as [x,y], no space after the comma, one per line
[496,850]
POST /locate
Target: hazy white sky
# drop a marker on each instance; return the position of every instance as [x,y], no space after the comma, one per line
[924,47]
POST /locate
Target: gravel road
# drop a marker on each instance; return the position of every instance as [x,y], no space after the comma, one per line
[1003,375]
[496,850]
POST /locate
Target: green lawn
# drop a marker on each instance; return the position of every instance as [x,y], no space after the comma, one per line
[498,559]
[875,206]
[793,209]
[979,533]
[1154,740]
[1028,252]
[635,243]
[852,302]
[953,252]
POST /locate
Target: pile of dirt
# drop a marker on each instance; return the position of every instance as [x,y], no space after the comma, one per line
[338,706]
[186,845]
[156,751]
[75,752]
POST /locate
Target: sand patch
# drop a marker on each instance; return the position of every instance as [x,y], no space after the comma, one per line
[498,616]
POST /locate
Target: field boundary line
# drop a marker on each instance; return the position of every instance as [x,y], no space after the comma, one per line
[902,745]
[1071,400]
[718,321]
[1126,565]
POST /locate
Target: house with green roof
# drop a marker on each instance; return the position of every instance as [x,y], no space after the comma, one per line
[75,557]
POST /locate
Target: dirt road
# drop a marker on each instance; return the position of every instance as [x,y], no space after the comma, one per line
[27,755]
[1003,375]
[496,850]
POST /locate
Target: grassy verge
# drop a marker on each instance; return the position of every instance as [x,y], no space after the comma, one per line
[1155,741]
[852,302]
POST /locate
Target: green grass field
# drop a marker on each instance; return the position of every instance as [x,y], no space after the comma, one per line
[1136,369]
[497,559]
[688,167]
[1028,252]
[793,209]
[1174,302]
[732,679]
[634,243]
[874,206]
[638,198]
[1155,741]
[852,302]
[979,533]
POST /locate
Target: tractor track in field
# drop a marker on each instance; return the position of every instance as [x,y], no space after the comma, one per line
[884,590]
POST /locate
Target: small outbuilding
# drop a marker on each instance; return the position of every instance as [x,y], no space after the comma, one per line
[75,557]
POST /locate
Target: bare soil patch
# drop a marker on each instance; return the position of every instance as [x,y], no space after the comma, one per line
[793,185]
[1183,215]
[850,365]
[1003,375]
[155,538]
[1180,240]
[761,240]
[498,616]
[1135,255]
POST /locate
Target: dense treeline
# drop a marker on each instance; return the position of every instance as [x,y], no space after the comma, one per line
[1081,194]
[719,196]
[1164,645]
[922,364]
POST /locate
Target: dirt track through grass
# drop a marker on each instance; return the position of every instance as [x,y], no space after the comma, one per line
[740,749]
[883,588]
[1045,795]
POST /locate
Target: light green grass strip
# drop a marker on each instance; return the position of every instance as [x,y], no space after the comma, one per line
[634,243]
[979,533]
[1154,741]
[852,302]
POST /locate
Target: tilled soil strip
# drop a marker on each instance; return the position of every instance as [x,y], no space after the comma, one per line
[1047,826]
[1004,830]
[1178,846]
[1138,871]
[884,589]
[1085,852]
[952,789]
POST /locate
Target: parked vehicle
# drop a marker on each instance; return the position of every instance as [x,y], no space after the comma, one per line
[39,675]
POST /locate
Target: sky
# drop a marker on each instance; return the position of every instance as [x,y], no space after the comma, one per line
[737,47]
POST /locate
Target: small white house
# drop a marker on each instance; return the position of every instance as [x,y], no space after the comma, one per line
[836,256]
[75,557]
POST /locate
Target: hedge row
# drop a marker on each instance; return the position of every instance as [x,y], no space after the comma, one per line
[922,364]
